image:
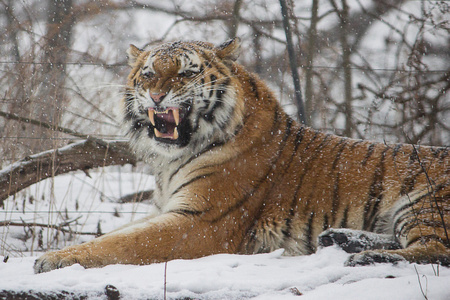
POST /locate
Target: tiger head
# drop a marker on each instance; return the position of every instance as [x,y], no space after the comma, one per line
[181,97]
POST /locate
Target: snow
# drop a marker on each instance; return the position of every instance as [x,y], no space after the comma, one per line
[89,202]
[263,276]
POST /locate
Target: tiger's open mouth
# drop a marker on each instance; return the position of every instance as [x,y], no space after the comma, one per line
[165,121]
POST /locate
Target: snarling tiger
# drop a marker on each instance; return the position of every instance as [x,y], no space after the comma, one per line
[235,174]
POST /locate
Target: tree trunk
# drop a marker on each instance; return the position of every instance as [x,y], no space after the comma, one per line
[312,36]
[234,24]
[51,97]
[12,30]
[346,52]
[293,63]
[344,33]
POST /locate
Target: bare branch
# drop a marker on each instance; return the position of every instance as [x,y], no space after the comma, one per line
[52,226]
[136,197]
[42,124]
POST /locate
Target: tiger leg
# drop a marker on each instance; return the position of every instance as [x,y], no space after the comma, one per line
[421,225]
[166,237]
[422,252]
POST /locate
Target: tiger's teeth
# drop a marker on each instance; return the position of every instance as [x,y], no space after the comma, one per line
[176,116]
[151,116]
[157,133]
[175,133]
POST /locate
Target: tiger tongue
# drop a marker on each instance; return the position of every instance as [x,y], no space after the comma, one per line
[173,135]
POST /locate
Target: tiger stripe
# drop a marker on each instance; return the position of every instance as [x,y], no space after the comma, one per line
[375,195]
[335,200]
[238,175]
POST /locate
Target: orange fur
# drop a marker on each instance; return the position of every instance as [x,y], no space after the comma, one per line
[264,182]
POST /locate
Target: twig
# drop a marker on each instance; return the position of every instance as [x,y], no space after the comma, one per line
[441,215]
[57,227]
[70,221]
[420,283]
[136,197]
[165,280]
[42,124]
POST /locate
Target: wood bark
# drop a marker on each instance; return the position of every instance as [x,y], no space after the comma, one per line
[83,155]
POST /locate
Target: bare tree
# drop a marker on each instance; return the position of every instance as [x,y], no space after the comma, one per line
[56,45]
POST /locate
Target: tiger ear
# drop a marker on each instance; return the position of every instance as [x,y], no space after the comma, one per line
[229,50]
[133,54]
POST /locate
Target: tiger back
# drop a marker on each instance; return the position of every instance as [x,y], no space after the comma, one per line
[235,174]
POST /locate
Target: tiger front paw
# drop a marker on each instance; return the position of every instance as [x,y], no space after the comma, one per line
[55,260]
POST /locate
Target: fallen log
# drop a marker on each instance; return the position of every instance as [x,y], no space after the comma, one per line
[83,155]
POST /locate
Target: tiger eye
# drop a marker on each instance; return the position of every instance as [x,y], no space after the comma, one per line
[147,74]
[188,73]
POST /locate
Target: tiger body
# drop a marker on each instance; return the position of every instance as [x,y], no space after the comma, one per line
[235,174]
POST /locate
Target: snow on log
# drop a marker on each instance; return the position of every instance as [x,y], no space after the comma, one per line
[83,155]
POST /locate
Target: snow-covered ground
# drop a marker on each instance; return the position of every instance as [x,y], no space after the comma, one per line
[263,276]
[85,202]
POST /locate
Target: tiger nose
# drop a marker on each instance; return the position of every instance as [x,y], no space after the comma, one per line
[157,98]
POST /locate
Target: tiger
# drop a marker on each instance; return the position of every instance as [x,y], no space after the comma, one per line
[236,174]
